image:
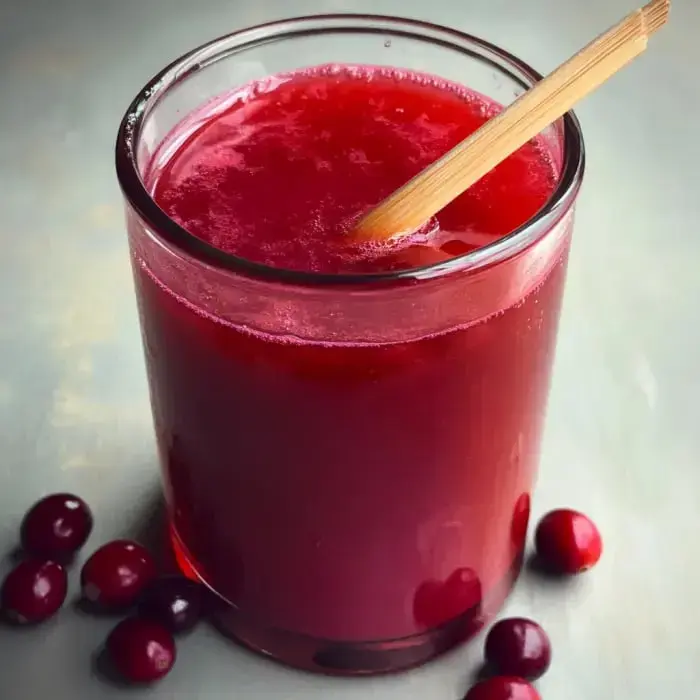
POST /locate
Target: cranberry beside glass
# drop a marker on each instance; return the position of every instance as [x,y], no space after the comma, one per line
[173,601]
[568,542]
[519,647]
[33,591]
[141,650]
[56,527]
[115,575]
[503,688]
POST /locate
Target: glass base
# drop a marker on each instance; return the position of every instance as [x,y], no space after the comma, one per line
[347,658]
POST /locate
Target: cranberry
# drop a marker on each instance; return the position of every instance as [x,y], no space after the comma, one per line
[462,591]
[521,519]
[568,542]
[33,591]
[173,601]
[518,647]
[437,602]
[116,573]
[503,688]
[428,608]
[142,651]
[56,526]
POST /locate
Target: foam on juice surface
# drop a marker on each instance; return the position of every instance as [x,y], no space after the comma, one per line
[277,171]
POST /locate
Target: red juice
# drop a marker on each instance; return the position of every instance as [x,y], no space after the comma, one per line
[362,492]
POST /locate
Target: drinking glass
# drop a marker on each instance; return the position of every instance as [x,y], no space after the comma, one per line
[347,459]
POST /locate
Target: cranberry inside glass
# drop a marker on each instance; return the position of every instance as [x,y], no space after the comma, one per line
[142,651]
[437,602]
[56,526]
[568,542]
[173,601]
[518,647]
[116,573]
[33,591]
[503,688]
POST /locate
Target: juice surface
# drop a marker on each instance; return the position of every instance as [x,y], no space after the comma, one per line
[353,491]
[279,175]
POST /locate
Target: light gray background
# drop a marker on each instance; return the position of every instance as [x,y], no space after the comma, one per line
[623,436]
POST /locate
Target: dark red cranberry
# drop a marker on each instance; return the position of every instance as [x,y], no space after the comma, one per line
[56,526]
[115,575]
[503,688]
[518,647]
[173,601]
[437,602]
[33,591]
[462,591]
[568,542]
[521,519]
[428,608]
[142,651]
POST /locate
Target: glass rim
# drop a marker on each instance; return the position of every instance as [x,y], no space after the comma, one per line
[170,232]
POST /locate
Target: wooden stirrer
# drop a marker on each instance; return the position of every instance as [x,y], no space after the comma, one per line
[426,194]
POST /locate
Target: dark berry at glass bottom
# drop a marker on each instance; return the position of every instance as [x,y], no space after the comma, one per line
[347,465]
[56,527]
[519,647]
[175,602]
[33,591]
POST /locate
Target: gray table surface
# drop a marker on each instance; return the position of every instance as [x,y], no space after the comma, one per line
[623,438]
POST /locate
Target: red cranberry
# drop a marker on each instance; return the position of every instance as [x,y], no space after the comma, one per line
[142,651]
[462,591]
[518,647]
[521,519]
[33,591]
[428,608]
[56,526]
[503,688]
[568,542]
[173,601]
[437,602]
[116,573]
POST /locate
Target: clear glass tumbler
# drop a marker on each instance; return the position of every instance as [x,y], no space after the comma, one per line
[347,460]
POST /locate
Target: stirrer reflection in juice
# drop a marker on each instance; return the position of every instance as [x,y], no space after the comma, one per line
[347,491]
